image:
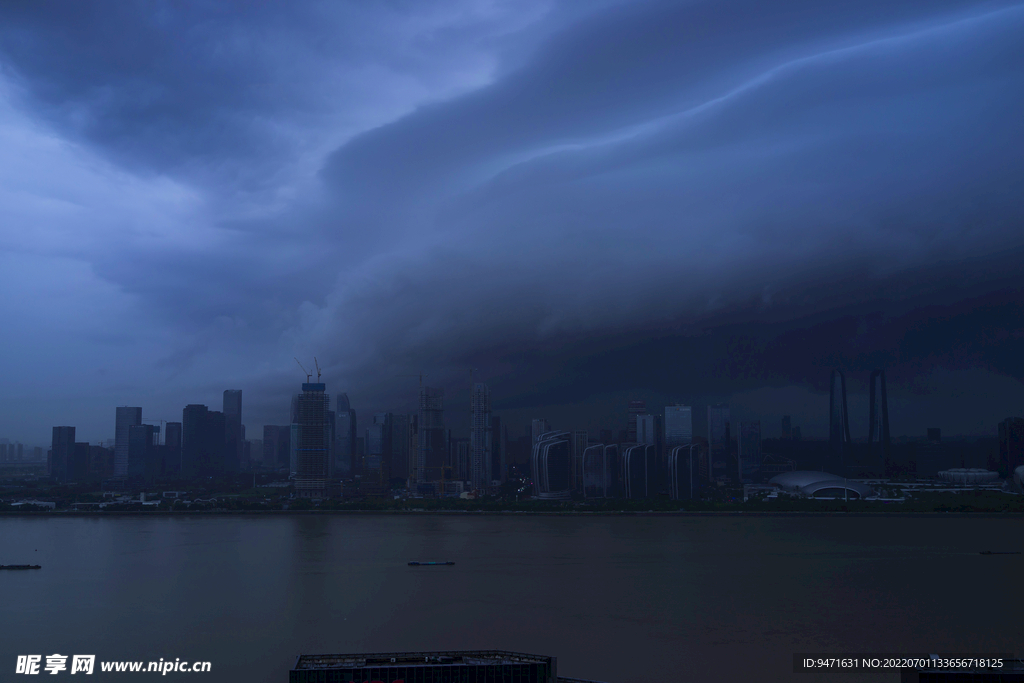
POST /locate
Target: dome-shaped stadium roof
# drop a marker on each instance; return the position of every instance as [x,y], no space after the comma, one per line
[801,478]
[820,484]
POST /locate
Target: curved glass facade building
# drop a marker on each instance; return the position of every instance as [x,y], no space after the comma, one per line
[639,471]
[684,471]
[551,461]
[600,471]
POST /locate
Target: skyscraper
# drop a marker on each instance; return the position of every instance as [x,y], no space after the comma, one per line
[203,441]
[838,420]
[719,437]
[399,447]
[646,429]
[172,443]
[579,440]
[344,438]
[142,450]
[480,436]
[276,446]
[62,453]
[311,450]
[635,408]
[678,426]
[878,425]
[748,451]
[432,447]
[499,468]
[126,417]
[537,427]
[787,427]
[233,430]
[378,449]
[78,469]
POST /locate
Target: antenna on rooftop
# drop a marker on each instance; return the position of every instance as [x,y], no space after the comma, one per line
[308,373]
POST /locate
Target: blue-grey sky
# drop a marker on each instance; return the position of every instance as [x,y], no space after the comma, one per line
[586,201]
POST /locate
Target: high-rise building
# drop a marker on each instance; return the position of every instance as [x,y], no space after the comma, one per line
[311,448]
[600,471]
[254,453]
[646,429]
[480,444]
[1011,446]
[787,427]
[719,440]
[678,426]
[400,447]
[126,417]
[376,465]
[538,427]
[142,442]
[838,420]
[748,451]
[203,441]
[499,444]
[216,444]
[331,427]
[462,469]
[684,471]
[345,439]
[62,452]
[551,463]
[878,427]
[578,442]
[634,409]
[276,446]
[101,462]
[172,442]
[78,469]
[433,450]
[639,471]
[233,434]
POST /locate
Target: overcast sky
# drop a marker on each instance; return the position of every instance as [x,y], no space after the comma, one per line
[585,201]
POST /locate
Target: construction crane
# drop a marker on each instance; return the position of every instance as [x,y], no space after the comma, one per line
[304,370]
[315,363]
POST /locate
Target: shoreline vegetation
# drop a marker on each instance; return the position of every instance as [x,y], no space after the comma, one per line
[977,503]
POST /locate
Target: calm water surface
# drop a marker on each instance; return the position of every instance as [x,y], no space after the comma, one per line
[618,599]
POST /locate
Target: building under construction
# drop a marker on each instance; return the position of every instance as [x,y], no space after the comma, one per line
[466,666]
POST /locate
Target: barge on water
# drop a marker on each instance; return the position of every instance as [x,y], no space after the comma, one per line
[20,566]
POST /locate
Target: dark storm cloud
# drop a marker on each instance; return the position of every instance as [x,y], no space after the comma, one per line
[691,199]
[567,201]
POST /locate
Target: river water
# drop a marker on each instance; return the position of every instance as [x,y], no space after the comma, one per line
[615,598]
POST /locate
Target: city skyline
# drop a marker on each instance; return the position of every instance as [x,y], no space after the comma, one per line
[752,195]
[876,434]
